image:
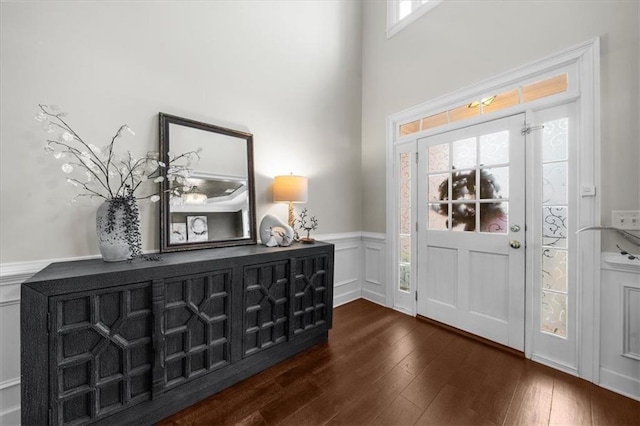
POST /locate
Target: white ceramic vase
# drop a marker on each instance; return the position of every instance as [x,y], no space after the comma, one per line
[113,243]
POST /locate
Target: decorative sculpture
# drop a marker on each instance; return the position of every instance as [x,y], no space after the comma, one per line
[274,232]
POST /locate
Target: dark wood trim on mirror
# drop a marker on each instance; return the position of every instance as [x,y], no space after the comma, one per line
[165,215]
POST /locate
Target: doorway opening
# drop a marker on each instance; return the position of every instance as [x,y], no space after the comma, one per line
[486,188]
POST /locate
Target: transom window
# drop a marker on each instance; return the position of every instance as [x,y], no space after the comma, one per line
[505,99]
[401,13]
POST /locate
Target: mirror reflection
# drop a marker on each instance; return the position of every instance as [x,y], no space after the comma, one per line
[212,204]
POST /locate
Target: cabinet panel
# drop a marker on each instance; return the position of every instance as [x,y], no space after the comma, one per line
[101,357]
[195,312]
[310,297]
[266,305]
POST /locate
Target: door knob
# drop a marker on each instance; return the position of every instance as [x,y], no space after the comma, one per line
[514,244]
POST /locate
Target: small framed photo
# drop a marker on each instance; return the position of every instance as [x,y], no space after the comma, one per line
[178,233]
[197,229]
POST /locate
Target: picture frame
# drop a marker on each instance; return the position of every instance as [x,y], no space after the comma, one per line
[178,233]
[197,229]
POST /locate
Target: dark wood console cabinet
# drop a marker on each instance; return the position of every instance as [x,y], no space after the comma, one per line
[131,343]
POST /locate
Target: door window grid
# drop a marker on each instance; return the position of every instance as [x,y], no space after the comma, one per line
[455,168]
[404,255]
[554,296]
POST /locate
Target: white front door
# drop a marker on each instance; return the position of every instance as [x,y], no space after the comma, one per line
[471,230]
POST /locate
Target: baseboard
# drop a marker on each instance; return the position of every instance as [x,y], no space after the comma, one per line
[346,298]
[555,365]
[619,383]
[374,297]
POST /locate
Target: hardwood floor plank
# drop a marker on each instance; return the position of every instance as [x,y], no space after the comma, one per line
[289,401]
[401,412]
[383,367]
[609,408]
[374,400]
[531,404]
[451,407]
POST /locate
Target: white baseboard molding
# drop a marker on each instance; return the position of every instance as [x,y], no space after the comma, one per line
[374,297]
[555,365]
[616,382]
[345,298]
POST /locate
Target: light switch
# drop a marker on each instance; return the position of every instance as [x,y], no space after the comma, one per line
[626,219]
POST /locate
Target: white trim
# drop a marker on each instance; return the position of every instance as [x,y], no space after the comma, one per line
[9,383]
[619,383]
[346,298]
[374,297]
[341,237]
[554,364]
[374,237]
[618,262]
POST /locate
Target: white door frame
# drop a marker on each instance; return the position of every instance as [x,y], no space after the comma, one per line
[583,64]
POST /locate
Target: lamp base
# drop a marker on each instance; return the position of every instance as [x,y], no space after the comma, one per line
[291,217]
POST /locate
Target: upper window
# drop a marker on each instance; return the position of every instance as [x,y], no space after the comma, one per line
[401,13]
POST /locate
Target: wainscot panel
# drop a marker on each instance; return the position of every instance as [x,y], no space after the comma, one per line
[619,325]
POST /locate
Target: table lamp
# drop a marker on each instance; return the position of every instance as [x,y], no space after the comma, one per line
[290,189]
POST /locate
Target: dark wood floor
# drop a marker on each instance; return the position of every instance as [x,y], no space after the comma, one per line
[383,367]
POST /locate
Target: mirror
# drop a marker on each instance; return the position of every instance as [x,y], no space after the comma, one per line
[207,201]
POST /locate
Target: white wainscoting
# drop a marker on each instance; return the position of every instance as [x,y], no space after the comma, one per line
[374,265]
[359,272]
[620,325]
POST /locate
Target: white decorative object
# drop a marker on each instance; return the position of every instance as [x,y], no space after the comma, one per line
[274,232]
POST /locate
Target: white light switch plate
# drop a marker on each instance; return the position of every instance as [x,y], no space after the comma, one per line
[626,219]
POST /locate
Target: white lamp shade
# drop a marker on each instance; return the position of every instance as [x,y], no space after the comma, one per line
[290,188]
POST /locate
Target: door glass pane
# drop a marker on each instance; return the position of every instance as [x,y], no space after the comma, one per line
[554,226]
[439,158]
[463,217]
[494,148]
[494,217]
[494,183]
[464,153]
[463,185]
[554,313]
[554,141]
[404,237]
[438,216]
[405,249]
[438,187]
[405,277]
[554,238]
[554,185]
[554,269]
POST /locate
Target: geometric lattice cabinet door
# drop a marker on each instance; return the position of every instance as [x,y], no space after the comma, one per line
[196,326]
[102,355]
[310,295]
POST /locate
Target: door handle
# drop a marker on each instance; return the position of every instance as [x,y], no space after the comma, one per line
[515,244]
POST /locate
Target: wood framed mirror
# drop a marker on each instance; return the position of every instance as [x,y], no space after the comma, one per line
[213,205]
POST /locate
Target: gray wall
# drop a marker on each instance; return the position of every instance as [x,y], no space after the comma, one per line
[463,42]
[289,72]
